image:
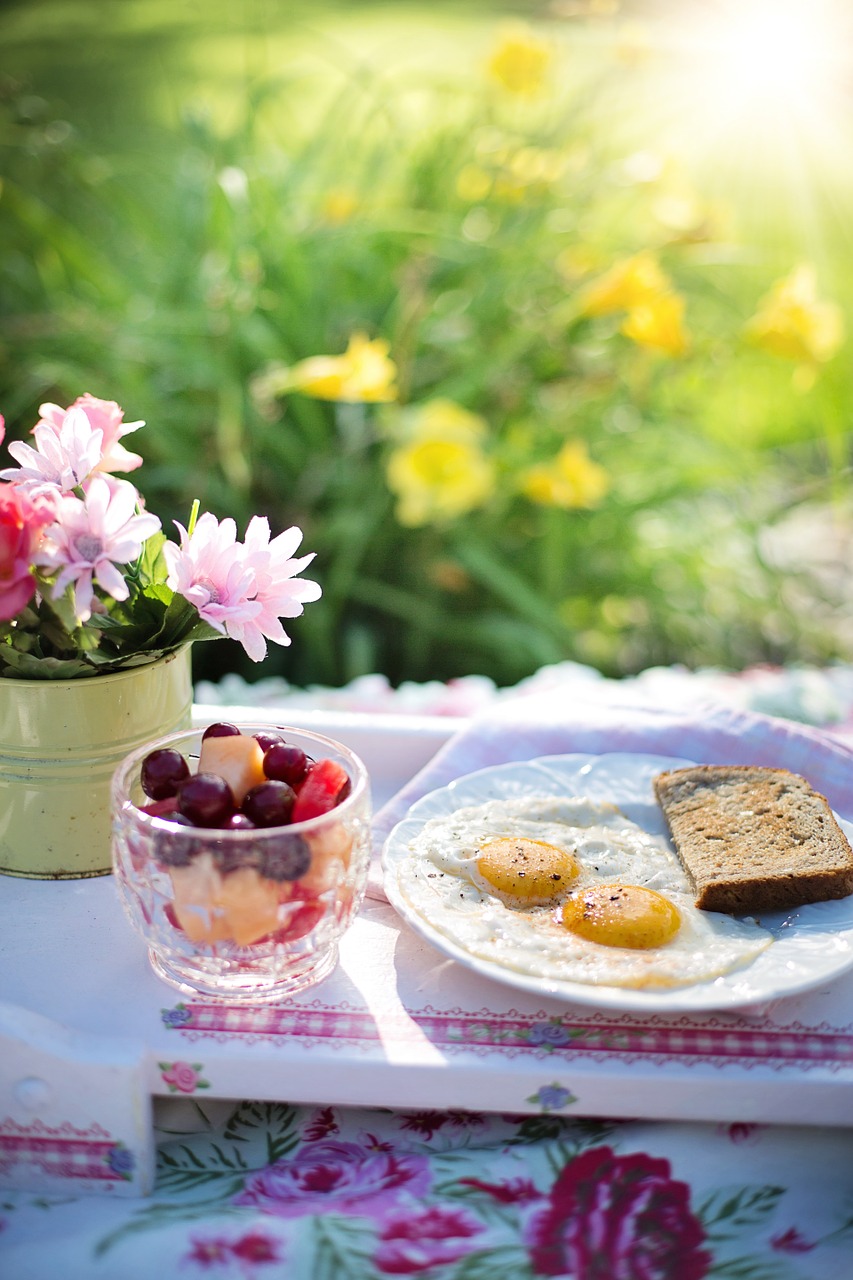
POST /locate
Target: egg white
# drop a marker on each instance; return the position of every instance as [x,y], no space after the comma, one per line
[441,883]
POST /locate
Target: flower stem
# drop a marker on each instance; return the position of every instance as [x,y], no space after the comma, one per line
[193,516]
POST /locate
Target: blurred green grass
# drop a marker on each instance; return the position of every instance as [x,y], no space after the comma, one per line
[193,193]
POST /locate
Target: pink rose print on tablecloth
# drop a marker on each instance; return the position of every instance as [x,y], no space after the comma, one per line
[742,1133]
[427,1123]
[336,1177]
[509,1191]
[416,1242]
[182,1077]
[610,1215]
[792,1241]
[321,1124]
[216,1253]
[211,1251]
[255,1248]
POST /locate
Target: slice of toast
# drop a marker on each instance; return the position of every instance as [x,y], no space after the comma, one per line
[753,839]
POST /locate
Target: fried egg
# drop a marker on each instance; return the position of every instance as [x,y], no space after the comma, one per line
[569,890]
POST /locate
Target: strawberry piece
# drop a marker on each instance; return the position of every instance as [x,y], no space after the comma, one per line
[325,786]
[304,917]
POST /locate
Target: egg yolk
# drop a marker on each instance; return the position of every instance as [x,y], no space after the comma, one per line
[618,915]
[530,871]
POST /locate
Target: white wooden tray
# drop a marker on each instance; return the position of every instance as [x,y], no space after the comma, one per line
[89,1035]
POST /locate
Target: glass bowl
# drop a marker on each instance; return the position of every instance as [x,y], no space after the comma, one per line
[248,915]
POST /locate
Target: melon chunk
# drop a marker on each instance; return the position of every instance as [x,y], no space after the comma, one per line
[238,759]
[196,902]
[250,904]
[239,907]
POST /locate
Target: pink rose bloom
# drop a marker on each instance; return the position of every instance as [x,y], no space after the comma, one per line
[435,1237]
[335,1177]
[105,416]
[612,1217]
[22,522]
[181,1076]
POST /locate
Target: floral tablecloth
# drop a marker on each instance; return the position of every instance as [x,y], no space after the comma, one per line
[258,1190]
[251,1189]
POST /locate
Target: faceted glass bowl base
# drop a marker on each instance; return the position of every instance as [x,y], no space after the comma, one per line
[249,988]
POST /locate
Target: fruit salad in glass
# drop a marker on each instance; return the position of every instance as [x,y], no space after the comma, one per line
[240,854]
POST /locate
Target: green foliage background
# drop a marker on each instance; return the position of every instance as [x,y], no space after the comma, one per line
[166,173]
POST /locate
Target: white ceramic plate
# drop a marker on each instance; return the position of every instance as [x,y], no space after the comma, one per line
[812,945]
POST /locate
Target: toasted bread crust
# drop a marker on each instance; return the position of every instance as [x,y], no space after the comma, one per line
[754,839]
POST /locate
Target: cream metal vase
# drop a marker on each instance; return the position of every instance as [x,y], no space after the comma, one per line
[60,743]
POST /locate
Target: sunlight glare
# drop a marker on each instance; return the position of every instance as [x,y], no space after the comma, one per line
[766,83]
[771,54]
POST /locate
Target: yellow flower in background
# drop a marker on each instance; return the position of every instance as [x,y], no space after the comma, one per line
[628,283]
[659,323]
[444,418]
[512,176]
[570,480]
[364,373]
[576,261]
[440,472]
[520,61]
[473,183]
[794,323]
[639,286]
[338,205]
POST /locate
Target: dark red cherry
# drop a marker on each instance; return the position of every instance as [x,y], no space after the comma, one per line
[286,763]
[285,857]
[269,804]
[267,740]
[239,822]
[207,800]
[221,730]
[162,773]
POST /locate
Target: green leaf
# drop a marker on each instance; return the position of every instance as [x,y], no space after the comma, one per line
[161,1215]
[24,666]
[486,1264]
[343,1249]
[151,568]
[738,1209]
[271,1123]
[750,1267]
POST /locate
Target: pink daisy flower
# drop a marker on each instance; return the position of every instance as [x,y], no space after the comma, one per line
[241,589]
[91,537]
[209,571]
[64,457]
[280,591]
[105,416]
